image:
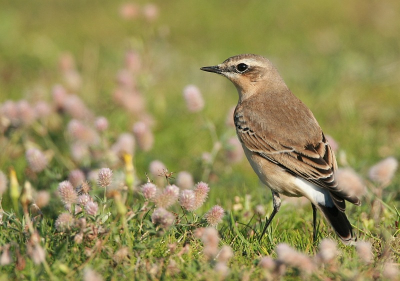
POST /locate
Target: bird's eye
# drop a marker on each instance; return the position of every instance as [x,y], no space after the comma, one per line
[241,67]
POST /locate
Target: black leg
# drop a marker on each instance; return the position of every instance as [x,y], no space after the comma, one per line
[314,209]
[277,204]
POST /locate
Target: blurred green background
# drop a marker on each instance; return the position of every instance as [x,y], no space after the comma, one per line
[341,58]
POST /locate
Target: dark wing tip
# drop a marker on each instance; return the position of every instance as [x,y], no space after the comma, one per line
[353,199]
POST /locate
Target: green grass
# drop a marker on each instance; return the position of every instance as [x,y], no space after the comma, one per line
[342,60]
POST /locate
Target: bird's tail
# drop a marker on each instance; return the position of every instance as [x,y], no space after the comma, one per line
[340,223]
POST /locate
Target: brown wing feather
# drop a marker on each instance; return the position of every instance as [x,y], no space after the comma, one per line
[311,158]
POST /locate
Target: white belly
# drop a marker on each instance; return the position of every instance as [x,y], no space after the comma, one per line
[284,183]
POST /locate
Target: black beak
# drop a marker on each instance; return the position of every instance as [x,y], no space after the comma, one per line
[215,69]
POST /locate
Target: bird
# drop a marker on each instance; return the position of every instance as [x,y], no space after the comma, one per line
[284,143]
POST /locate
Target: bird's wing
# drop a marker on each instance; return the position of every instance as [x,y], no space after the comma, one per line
[313,161]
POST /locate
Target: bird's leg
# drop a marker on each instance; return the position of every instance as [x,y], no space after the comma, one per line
[314,212]
[277,204]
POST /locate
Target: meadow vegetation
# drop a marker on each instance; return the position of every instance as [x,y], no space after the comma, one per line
[119,158]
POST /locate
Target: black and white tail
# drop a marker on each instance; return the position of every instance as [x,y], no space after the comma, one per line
[339,222]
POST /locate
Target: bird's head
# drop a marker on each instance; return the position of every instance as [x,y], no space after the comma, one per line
[250,74]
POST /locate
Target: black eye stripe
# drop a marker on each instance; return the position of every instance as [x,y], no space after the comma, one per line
[241,67]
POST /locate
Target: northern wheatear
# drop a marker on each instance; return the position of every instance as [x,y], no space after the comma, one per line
[284,143]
